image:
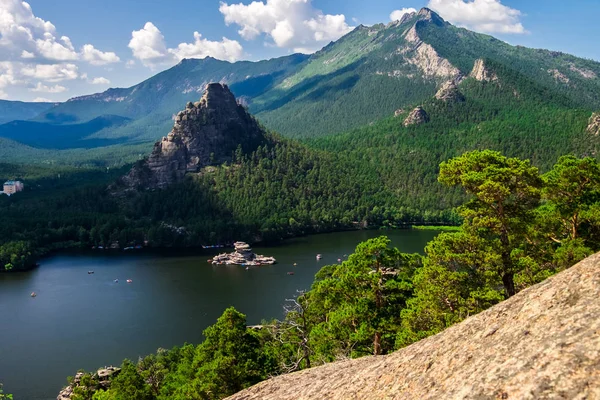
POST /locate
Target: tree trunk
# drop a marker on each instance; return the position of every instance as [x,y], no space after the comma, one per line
[508,280]
[377,344]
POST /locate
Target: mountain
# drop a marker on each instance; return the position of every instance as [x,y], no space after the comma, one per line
[208,132]
[14,110]
[151,105]
[542,343]
[358,81]
[373,71]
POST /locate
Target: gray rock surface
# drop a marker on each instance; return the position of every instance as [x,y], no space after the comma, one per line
[594,124]
[481,72]
[543,343]
[205,133]
[417,116]
[449,92]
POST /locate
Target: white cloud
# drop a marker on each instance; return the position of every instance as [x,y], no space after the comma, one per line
[48,47]
[130,64]
[148,45]
[292,24]
[42,100]
[41,88]
[397,15]
[490,16]
[31,49]
[230,50]
[100,81]
[51,72]
[23,35]
[96,57]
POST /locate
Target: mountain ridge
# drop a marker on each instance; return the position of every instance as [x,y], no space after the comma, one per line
[360,79]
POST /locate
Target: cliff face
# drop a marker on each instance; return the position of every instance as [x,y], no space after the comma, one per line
[543,343]
[482,73]
[207,132]
[594,124]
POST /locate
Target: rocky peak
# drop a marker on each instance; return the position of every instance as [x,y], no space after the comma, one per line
[426,14]
[542,343]
[594,124]
[417,116]
[482,73]
[449,92]
[206,132]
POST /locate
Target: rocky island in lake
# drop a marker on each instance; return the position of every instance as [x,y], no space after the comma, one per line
[242,255]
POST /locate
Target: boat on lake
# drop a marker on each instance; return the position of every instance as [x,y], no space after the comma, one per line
[129,281]
[33,294]
[319,256]
[90,272]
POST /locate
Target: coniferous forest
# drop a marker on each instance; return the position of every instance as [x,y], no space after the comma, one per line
[519,228]
[505,165]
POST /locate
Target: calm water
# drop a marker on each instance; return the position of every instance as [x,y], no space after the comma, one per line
[88,321]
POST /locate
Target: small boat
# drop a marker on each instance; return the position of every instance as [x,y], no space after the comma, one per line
[295,264]
[319,256]
[290,273]
[116,281]
[339,260]
[247,268]
[129,281]
[33,294]
[90,272]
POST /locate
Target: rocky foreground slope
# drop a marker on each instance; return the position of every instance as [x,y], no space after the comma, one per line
[543,343]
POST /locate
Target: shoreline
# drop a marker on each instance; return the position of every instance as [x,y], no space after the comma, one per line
[74,247]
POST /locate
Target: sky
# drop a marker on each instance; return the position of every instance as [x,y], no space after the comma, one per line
[53,50]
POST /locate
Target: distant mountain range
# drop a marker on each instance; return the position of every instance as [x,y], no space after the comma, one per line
[15,110]
[358,80]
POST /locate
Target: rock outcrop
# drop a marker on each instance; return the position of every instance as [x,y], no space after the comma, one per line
[449,92]
[543,343]
[101,378]
[417,116]
[206,133]
[423,55]
[482,73]
[594,124]
[559,76]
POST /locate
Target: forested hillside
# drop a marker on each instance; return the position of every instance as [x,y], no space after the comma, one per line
[519,227]
[353,83]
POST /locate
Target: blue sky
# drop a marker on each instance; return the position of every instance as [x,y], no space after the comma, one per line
[59,49]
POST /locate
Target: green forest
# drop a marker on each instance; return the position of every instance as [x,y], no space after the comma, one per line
[519,227]
[381,175]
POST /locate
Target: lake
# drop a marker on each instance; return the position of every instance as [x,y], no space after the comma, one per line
[80,320]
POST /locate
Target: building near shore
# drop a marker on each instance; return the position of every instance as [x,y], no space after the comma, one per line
[12,187]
